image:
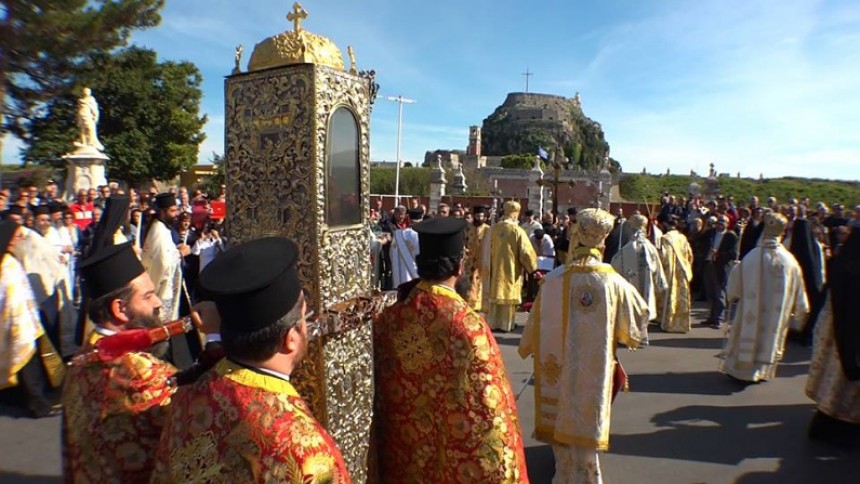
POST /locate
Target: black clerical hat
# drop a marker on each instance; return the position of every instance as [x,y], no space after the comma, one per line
[254,284]
[55,207]
[41,210]
[480,209]
[441,237]
[416,215]
[165,200]
[7,231]
[15,210]
[109,269]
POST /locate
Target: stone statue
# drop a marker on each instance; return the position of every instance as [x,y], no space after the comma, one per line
[352,67]
[238,59]
[439,162]
[88,118]
[713,172]
[577,100]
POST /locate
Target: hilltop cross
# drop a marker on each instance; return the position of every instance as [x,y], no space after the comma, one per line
[296,16]
[528,74]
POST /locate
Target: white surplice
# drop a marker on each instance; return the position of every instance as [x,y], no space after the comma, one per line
[764,291]
[163,263]
[404,248]
[581,312]
[639,262]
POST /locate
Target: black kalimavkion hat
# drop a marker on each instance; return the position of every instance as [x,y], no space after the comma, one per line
[165,200]
[441,237]
[109,269]
[254,284]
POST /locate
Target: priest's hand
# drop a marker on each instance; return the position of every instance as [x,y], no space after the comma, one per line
[210,319]
[184,250]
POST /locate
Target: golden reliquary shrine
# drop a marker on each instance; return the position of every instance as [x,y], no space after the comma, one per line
[297,151]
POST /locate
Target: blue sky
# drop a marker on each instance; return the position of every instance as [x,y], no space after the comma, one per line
[757,87]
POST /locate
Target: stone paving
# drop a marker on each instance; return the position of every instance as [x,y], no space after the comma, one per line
[681,422]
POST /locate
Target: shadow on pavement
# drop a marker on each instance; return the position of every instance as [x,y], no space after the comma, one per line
[15,478]
[696,383]
[509,338]
[729,435]
[694,343]
[540,463]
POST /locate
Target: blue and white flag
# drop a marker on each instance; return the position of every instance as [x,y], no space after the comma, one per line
[543,154]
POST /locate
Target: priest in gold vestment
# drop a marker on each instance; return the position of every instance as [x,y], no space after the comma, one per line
[834,373]
[582,311]
[475,234]
[23,342]
[677,258]
[243,421]
[765,291]
[444,407]
[507,256]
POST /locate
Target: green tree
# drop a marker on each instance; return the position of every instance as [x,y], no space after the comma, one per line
[522,161]
[149,123]
[44,43]
[212,184]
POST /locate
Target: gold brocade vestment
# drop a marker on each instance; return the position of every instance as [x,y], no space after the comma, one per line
[112,417]
[582,311]
[767,290]
[677,259]
[444,407]
[474,243]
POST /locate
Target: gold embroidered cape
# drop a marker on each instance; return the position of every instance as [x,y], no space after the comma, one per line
[507,256]
[474,242]
[677,258]
[581,312]
[21,326]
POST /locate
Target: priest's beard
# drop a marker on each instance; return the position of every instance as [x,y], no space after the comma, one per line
[463,286]
[477,223]
[148,322]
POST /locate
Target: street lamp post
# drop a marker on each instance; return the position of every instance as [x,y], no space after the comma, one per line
[400,100]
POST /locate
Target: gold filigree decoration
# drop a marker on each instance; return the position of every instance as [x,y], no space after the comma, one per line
[551,369]
[296,47]
[277,122]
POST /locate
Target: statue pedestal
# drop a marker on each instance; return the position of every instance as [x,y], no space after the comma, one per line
[85,169]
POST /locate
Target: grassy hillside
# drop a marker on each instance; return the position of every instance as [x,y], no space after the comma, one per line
[637,187]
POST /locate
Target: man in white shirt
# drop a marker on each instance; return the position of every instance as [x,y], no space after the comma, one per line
[208,247]
[404,249]
[531,223]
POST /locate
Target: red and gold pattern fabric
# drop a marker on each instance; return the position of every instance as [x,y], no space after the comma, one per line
[444,407]
[112,417]
[236,424]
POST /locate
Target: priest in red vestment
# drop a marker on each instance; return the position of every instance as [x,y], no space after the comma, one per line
[243,421]
[444,407]
[113,411]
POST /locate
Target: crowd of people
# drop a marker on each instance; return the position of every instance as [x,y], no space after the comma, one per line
[56,234]
[119,265]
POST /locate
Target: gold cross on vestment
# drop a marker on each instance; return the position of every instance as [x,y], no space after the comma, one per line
[297,15]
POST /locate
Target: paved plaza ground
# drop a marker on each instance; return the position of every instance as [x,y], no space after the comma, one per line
[681,422]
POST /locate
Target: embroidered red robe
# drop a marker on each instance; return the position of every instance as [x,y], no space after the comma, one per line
[112,417]
[236,424]
[444,407]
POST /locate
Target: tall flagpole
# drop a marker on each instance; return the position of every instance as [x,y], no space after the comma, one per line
[400,100]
